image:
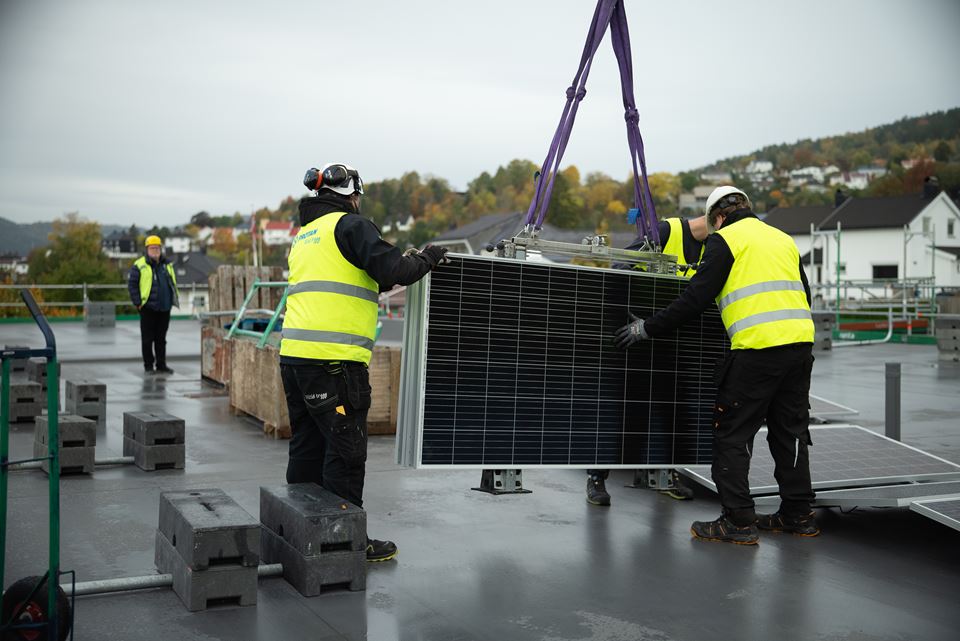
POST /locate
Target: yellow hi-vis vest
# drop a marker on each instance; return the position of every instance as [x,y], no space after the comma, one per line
[331,305]
[674,247]
[146,280]
[763,303]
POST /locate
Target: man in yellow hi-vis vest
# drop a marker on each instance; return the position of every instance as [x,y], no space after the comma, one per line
[152,285]
[754,274]
[683,238]
[338,266]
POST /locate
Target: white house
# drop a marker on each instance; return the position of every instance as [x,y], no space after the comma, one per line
[400,226]
[277,232]
[877,234]
[717,177]
[797,221]
[179,244]
[758,167]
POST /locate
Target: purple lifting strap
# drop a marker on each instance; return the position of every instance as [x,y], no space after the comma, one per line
[608,13]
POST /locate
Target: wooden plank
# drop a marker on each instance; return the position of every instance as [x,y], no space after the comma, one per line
[213,292]
[239,286]
[381,419]
[225,276]
[215,352]
[249,276]
[257,389]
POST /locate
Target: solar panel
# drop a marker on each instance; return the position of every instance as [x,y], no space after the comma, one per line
[822,408]
[901,495]
[511,364]
[845,456]
[946,511]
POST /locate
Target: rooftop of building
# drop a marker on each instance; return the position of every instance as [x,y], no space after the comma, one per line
[474,566]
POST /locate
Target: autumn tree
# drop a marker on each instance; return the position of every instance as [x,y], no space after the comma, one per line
[73,256]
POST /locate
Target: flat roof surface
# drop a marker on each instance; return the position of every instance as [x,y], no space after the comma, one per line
[544,566]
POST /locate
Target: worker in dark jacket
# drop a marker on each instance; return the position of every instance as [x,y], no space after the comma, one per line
[754,274]
[683,238]
[338,265]
[152,284]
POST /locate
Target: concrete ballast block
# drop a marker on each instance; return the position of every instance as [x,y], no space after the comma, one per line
[73,431]
[310,575]
[200,589]
[155,457]
[73,460]
[17,364]
[153,428]
[312,519]
[208,528]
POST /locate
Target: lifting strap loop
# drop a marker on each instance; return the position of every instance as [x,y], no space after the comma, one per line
[609,13]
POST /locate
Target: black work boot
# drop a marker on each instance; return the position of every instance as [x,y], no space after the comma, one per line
[679,491]
[724,530]
[163,369]
[597,491]
[148,369]
[805,525]
[380,550]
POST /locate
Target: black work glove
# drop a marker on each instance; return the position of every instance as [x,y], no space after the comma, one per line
[434,255]
[631,333]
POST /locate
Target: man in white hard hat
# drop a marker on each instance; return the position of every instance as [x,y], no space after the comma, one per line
[683,238]
[754,274]
[338,265]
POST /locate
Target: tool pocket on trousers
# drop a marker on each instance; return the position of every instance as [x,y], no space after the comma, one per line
[321,394]
[350,438]
[725,410]
[358,390]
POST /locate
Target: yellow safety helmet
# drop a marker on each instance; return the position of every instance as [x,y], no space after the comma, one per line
[153,240]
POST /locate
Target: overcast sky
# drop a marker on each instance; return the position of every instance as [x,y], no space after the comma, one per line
[148,112]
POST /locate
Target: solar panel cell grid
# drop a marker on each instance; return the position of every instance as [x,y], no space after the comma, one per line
[521,369]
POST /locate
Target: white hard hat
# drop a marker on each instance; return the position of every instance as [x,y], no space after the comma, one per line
[335,176]
[716,196]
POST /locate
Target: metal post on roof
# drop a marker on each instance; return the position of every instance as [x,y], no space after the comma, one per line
[838,277]
[892,401]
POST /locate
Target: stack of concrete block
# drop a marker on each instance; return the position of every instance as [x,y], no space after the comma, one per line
[87,398]
[37,372]
[17,364]
[26,401]
[824,324]
[100,314]
[155,440]
[211,546]
[948,339]
[77,439]
[319,538]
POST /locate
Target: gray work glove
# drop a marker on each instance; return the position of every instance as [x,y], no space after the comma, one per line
[434,255]
[631,333]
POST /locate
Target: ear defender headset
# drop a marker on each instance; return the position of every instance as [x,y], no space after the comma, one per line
[333,176]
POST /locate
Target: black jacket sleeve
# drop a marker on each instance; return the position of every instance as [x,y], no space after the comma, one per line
[700,292]
[806,285]
[360,243]
[133,286]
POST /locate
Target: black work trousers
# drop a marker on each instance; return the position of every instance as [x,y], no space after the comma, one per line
[153,337]
[753,385]
[328,404]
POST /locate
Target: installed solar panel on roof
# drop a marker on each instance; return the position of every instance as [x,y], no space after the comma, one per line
[518,369]
[846,456]
[946,511]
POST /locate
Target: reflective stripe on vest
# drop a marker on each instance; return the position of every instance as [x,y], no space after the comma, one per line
[763,302]
[146,280]
[332,305]
[674,247]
